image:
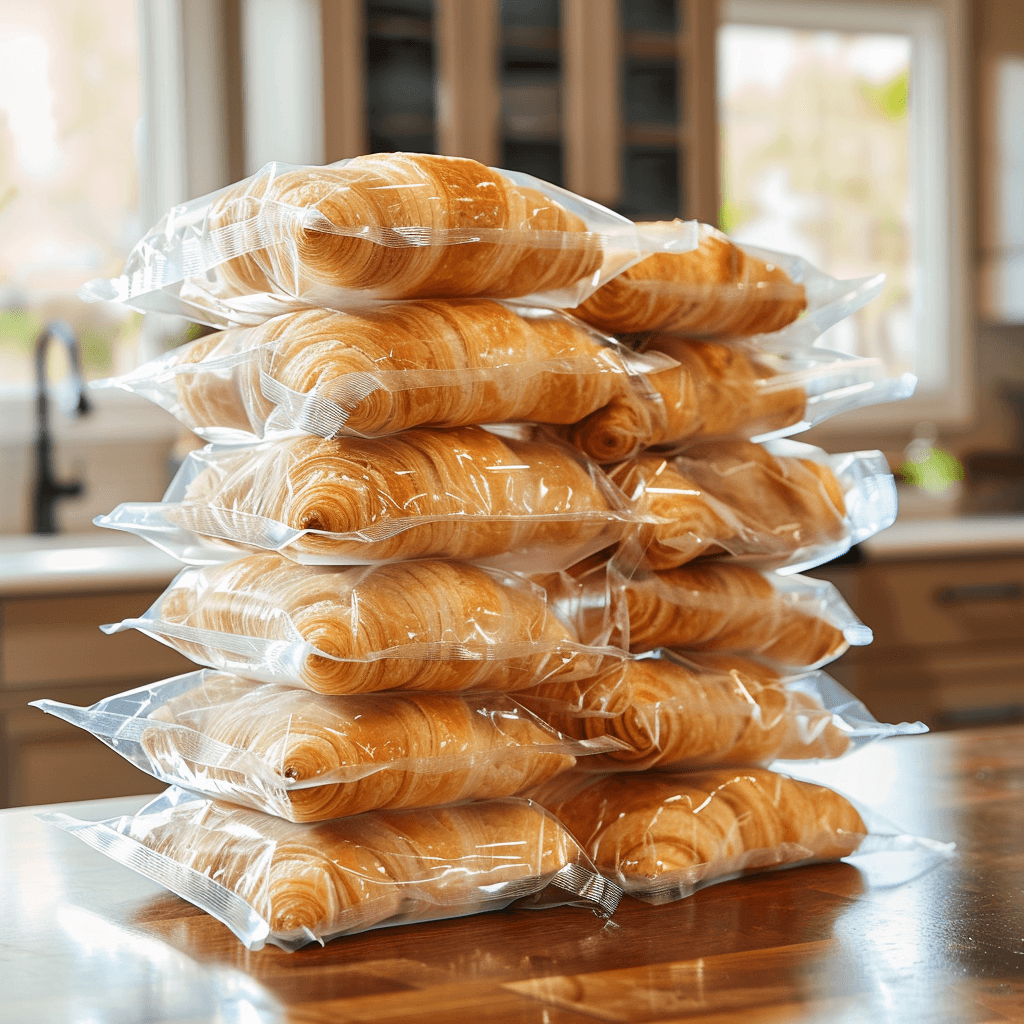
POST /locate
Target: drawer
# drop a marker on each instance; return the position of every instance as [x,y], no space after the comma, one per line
[928,603]
[57,640]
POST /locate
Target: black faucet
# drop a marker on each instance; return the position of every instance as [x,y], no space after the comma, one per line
[48,490]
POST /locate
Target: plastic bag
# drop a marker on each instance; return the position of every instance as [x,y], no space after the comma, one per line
[784,505]
[673,712]
[517,502]
[309,757]
[428,625]
[404,364]
[384,226]
[736,389]
[722,288]
[271,880]
[662,836]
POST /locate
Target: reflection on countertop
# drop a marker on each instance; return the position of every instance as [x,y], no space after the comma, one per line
[76,562]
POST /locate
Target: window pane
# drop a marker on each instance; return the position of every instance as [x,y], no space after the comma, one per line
[69,188]
[815,133]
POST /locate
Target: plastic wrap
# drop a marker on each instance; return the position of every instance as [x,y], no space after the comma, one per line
[427,625]
[784,505]
[385,226]
[309,757]
[442,363]
[517,502]
[271,880]
[721,288]
[792,622]
[673,712]
[662,836]
[737,389]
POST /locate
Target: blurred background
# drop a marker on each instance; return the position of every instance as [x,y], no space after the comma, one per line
[864,136]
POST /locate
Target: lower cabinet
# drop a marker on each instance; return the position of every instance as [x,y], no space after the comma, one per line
[52,647]
[949,639]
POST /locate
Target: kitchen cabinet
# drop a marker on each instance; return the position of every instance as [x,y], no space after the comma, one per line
[949,638]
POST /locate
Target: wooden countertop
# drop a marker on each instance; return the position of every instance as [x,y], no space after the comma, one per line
[87,940]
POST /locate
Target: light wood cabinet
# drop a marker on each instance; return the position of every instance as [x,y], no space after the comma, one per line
[52,647]
[949,639]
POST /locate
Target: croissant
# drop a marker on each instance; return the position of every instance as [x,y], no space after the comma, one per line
[346,875]
[458,493]
[716,390]
[428,362]
[663,834]
[729,711]
[464,628]
[401,225]
[724,607]
[732,496]
[715,289]
[375,752]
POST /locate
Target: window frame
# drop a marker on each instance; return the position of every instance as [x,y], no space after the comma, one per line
[939,137]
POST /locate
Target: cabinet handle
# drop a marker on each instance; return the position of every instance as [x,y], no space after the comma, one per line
[980,592]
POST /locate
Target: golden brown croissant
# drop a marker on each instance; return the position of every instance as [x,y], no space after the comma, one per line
[465,628]
[433,362]
[672,715]
[374,752]
[732,496]
[664,834]
[723,607]
[716,390]
[715,289]
[458,493]
[401,225]
[310,881]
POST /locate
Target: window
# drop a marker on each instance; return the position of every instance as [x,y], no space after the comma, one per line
[840,128]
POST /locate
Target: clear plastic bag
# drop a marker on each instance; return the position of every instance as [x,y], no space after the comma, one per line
[521,501]
[383,226]
[783,505]
[428,625]
[441,363]
[720,289]
[309,757]
[662,836]
[271,880]
[702,711]
[735,389]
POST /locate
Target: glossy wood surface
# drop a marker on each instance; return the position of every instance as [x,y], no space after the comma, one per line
[85,939]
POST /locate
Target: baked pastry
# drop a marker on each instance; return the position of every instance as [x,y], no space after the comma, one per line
[715,390]
[662,835]
[316,881]
[427,625]
[674,715]
[729,608]
[347,755]
[399,225]
[732,496]
[716,289]
[458,493]
[380,370]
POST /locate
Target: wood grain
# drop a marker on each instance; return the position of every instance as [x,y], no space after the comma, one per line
[823,943]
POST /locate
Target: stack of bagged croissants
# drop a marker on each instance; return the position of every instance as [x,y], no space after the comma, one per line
[489,562]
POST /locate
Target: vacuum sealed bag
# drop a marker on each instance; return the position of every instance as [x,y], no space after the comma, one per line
[720,289]
[271,880]
[429,362]
[662,836]
[785,505]
[308,757]
[383,226]
[427,625]
[704,711]
[739,389]
[515,501]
